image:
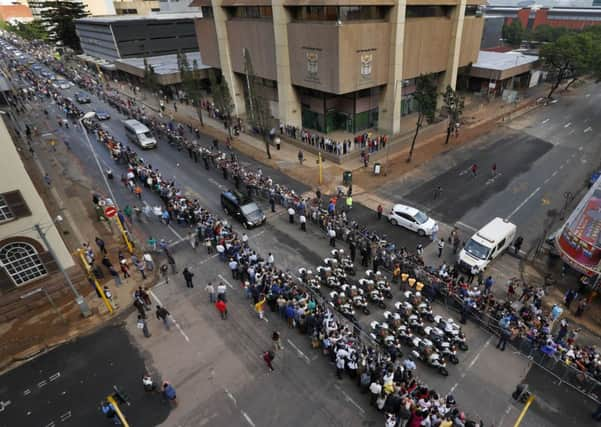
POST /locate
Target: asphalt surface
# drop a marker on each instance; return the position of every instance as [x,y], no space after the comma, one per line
[215,364]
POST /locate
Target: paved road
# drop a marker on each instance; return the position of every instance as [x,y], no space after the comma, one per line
[481,383]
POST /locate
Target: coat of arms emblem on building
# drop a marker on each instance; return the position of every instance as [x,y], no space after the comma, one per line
[312,64]
[366,61]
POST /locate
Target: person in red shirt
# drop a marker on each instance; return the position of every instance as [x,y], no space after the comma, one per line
[268,357]
[222,308]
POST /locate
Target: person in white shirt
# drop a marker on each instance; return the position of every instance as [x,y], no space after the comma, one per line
[221,291]
[244,238]
[303,222]
[291,213]
[270,259]
[375,389]
[332,236]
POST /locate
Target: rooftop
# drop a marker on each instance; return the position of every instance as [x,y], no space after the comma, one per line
[158,16]
[165,64]
[501,61]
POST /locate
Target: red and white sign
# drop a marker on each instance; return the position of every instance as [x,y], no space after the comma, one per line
[110,211]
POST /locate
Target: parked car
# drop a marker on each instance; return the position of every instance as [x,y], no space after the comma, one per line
[245,211]
[412,219]
[102,115]
[82,98]
[487,244]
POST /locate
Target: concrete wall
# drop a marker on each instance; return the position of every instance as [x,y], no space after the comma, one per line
[426,46]
[142,7]
[256,35]
[470,40]
[206,38]
[97,40]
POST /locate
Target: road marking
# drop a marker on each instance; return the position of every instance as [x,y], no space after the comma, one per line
[453,388]
[4,404]
[299,351]
[546,121]
[179,328]
[567,125]
[463,225]
[546,181]
[572,132]
[247,418]
[42,383]
[349,399]
[521,205]
[175,232]
[561,167]
[26,392]
[477,356]
[588,129]
[65,416]
[220,186]
[231,396]
[225,280]
[260,233]
[54,377]
[580,148]
[204,261]
[554,173]
[50,424]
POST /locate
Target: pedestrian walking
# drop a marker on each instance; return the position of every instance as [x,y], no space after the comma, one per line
[504,324]
[163,314]
[440,247]
[270,259]
[437,192]
[303,222]
[141,268]
[260,306]
[517,245]
[47,180]
[148,261]
[332,236]
[272,202]
[474,169]
[124,268]
[221,308]
[233,265]
[115,275]
[291,213]
[101,245]
[379,211]
[164,270]
[268,357]
[171,262]
[349,203]
[434,232]
[221,292]
[169,393]
[488,285]
[211,291]
[419,250]
[144,326]
[277,342]
[188,275]
[301,157]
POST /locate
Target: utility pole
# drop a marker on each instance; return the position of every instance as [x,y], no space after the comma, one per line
[81,302]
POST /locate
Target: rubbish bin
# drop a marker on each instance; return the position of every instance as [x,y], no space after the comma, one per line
[347,177]
[377,168]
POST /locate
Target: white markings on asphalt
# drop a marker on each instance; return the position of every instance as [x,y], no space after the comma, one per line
[175,232]
[547,180]
[546,121]
[218,185]
[299,351]
[507,411]
[248,419]
[477,356]
[54,377]
[42,383]
[26,392]
[225,281]
[587,95]
[349,399]
[50,424]
[204,261]
[561,167]
[179,328]
[260,233]
[554,173]
[64,417]
[521,205]
[453,388]
[463,225]
[567,125]
[4,404]
[231,396]
[580,148]
[572,132]
[573,154]
[588,129]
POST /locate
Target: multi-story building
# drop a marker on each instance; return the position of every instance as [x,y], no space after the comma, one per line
[136,7]
[328,65]
[26,261]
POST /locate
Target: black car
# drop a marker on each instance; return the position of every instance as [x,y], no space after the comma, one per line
[102,115]
[82,98]
[244,210]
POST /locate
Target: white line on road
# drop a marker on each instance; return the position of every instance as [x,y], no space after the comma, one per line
[572,132]
[218,185]
[561,167]
[4,404]
[175,232]
[349,399]
[179,328]
[546,121]
[231,396]
[477,356]
[588,129]
[64,417]
[521,205]
[225,280]
[204,261]
[463,225]
[54,376]
[260,233]
[567,125]
[554,173]
[42,383]
[453,388]
[299,351]
[247,418]
[547,180]
[26,392]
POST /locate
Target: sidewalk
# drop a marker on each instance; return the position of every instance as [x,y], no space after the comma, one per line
[70,195]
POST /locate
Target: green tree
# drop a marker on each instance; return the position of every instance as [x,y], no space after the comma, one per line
[191,82]
[150,76]
[222,98]
[257,107]
[33,30]
[569,58]
[453,106]
[513,33]
[425,97]
[58,18]
[546,33]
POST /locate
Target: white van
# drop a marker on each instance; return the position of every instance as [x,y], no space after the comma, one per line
[487,244]
[139,134]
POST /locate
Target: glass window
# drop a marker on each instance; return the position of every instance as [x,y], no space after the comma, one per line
[207,12]
[5,212]
[428,11]
[22,262]
[477,250]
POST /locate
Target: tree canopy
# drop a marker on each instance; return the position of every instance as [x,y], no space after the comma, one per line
[513,33]
[453,106]
[425,97]
[33,30]
[57,17]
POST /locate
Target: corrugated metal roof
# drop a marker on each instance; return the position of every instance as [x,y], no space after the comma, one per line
[502,61]
[164,64]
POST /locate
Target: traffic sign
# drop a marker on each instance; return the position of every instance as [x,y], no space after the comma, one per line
[110,211]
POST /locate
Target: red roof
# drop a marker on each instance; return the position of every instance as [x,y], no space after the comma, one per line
[14,11]
[501,49]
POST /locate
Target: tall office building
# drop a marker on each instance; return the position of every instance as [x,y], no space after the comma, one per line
[326,66]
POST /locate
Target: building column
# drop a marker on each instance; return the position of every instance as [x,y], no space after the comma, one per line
[450,75]
[289,108]
[236,89]
[389,109]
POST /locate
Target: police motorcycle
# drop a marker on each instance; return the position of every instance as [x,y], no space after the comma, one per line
[344,261]
[452,331]
[307,279]
[423,349]
[444,347]
[340,302]
[374,295]
[400,328]
[356,296]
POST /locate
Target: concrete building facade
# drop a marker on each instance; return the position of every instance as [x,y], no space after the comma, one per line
[25,260]
[327,65]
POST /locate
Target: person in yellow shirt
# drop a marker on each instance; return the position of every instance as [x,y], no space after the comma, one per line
[260,306]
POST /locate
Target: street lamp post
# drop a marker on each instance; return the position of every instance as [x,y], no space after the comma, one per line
[81,302]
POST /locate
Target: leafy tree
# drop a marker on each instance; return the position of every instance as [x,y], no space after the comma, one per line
[150,77]
[569,57]
[425,97]
[222,98]
[33,30]
[513,33]
[547,33]
[58,18]
[453,105]
[191,83]
[258,109]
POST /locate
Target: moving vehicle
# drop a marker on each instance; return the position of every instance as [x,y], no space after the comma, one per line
[245,211]
[487,244]
[82,98]
[139,134]
[412,219]
[63,84]
[102,115]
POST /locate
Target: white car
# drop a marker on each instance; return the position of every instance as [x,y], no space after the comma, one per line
[412,219]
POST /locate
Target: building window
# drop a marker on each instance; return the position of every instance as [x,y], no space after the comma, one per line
[428,11]
[253,12]
[5,212]
[22,262]
[473,10]
[207,11]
